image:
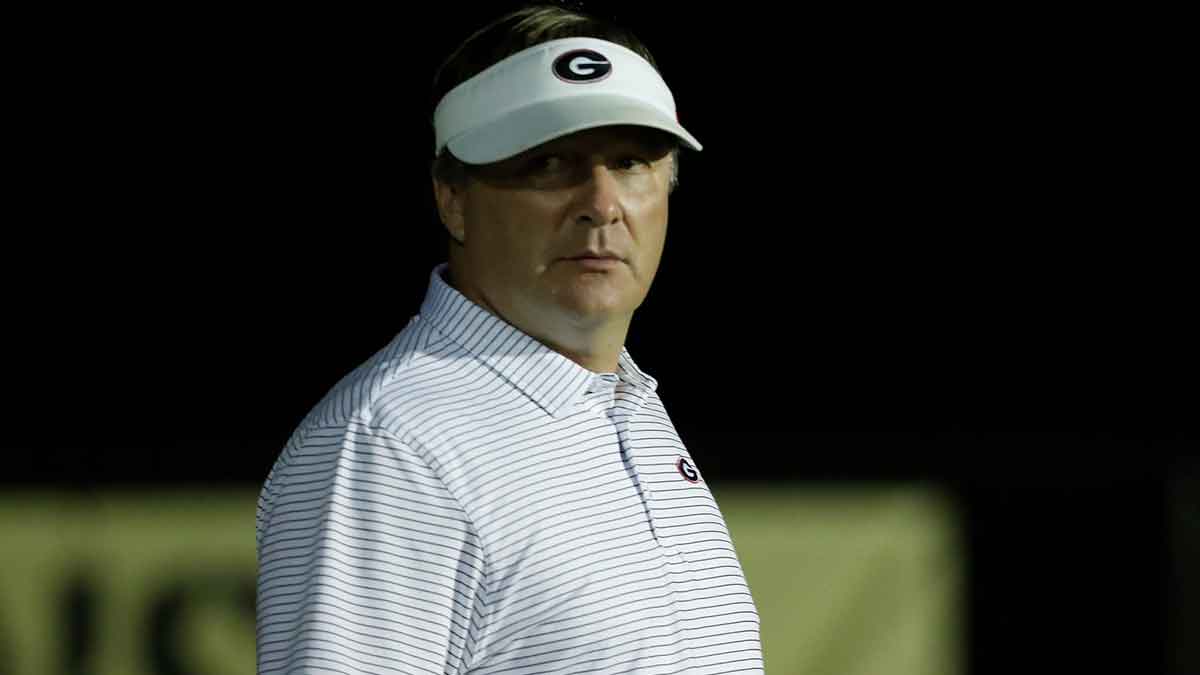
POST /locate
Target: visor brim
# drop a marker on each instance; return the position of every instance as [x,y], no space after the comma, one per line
[542,122]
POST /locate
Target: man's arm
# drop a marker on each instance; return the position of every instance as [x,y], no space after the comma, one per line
[366,562]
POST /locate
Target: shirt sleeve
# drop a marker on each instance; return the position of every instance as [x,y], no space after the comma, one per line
[366,562]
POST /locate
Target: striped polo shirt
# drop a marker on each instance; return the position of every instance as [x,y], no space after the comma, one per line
[469,500]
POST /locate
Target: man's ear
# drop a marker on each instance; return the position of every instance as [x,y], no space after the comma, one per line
[450,209]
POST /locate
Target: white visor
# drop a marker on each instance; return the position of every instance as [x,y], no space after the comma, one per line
[551,90]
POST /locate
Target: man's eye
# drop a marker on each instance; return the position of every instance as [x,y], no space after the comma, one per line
[546,163]
[632,162]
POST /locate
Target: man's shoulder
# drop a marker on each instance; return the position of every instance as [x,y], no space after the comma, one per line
[399,387]
[354,396]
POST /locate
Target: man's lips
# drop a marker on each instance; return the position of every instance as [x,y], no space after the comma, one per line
[595,262]
[595,255]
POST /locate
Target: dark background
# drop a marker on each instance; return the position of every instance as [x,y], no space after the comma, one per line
[903,219]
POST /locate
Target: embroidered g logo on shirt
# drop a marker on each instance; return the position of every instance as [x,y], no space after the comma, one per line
[687,470]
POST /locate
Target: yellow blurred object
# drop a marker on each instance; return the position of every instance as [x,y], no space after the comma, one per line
[851,580]
[848,580]
[154,579]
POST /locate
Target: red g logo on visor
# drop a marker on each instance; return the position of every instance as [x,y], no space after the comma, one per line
[581,66]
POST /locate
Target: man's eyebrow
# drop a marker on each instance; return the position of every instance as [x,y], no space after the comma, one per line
[649,143]
[642,144]
[651,148]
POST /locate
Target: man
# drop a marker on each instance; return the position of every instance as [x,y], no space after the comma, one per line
[500,489]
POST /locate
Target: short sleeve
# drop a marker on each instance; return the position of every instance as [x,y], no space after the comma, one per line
[366,562]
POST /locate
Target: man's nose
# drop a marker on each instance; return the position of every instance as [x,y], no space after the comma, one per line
[600,198]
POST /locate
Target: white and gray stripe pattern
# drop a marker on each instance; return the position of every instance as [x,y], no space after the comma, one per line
[471,501]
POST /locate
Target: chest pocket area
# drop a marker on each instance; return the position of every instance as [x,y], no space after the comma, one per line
[683,513]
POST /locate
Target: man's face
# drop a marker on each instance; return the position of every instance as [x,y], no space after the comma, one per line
[522,219]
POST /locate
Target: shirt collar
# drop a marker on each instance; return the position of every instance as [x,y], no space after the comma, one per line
[552,380]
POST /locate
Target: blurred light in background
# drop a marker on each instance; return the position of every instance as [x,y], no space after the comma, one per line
[128,584]
[852,580]
[848,580]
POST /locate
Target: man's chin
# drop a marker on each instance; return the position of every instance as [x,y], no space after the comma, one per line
[596,307]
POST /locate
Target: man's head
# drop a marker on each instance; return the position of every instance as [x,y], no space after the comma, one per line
[558,161]
[508,35]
